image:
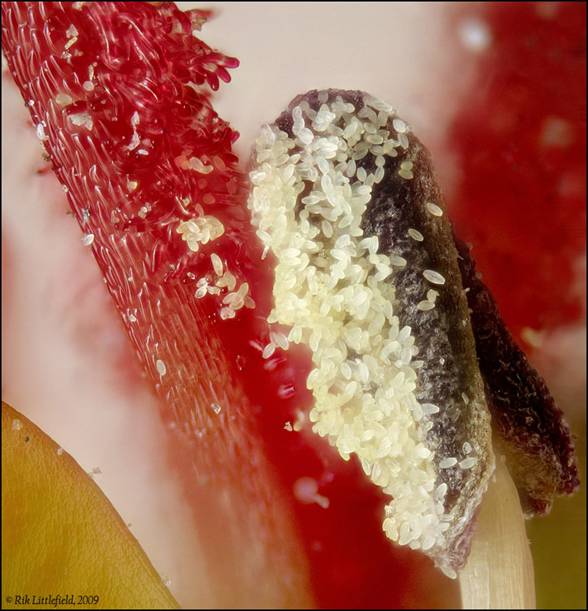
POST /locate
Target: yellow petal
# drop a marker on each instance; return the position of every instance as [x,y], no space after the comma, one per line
[61,535]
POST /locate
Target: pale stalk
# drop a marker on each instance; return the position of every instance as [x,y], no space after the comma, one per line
[499,572]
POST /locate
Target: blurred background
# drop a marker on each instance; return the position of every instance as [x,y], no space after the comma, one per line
[495,90]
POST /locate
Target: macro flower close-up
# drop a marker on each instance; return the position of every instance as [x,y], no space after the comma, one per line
[293,305]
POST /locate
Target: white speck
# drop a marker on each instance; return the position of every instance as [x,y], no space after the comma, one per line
[68,44]
[226,313]
[433,276]
[201,230]
[300,420]
[425,306]
[134,143]
[216,408]
[429,408]
[72,36]
[465,398]
[41,132]
[400,126]
[16,424]
[279,339]
[63,99]
[87,239]
[434,209]
[82,119]
[405,170]
[268,350]
[322,501]
[194,163]
[88,86]
[288,426]
[161,368]
[468,463]
[217,264]
[306,491]
[441,491]
[475,35]
[448,572]
[85,215]
[467,447]
[447,463]
[415,234]
[59,451]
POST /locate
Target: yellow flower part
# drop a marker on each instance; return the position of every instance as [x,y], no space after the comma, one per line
[60,534]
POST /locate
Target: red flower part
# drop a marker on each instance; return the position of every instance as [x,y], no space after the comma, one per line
[116,93]
[520,139]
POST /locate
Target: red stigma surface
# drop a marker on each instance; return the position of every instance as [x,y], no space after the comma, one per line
[520,140]
[119,95]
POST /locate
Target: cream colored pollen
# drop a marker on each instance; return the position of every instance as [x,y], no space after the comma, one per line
[330,289]
[200,230]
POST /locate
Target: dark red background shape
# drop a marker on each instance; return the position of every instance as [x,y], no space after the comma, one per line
[520,138]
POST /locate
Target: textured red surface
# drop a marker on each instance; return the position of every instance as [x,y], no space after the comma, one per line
[520,138]
[111,60]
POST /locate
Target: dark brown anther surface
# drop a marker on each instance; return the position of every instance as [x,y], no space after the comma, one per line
[529,428]
[449,377]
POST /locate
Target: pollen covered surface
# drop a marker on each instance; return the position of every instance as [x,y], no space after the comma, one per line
[317,171]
